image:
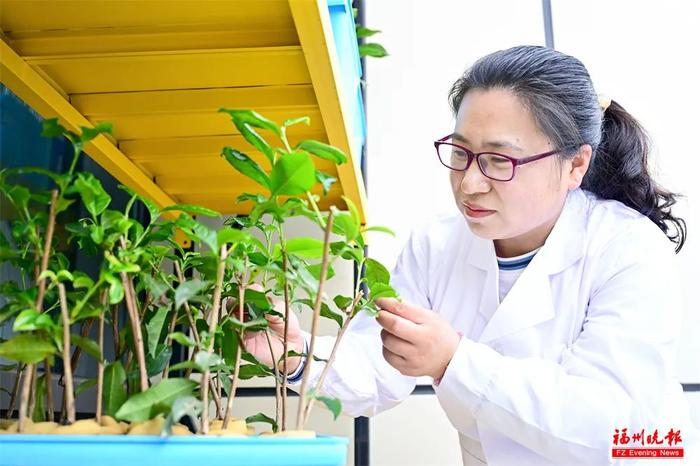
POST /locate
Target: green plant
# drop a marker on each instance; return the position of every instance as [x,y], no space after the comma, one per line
[371,49]
[213,296]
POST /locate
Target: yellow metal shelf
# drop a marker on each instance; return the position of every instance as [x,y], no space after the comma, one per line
[160,70]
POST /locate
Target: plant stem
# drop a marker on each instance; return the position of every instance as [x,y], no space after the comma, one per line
[31,375]
[213,320]
[24,397]
[47,249]
[15,390]
[49,390]
[283,132]
[331,358]
[32,394]
[115,332]
[216,395]
[219,410]
[168,342]
[133,310]
[310,197]
[188,371]
[136,329]
[100,361]
[314,323]
[278,392]
[190,318]
[285,342]
[84,331]
[237,364]
[67,369]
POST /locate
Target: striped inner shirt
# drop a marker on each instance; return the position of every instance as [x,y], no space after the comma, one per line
[509,269]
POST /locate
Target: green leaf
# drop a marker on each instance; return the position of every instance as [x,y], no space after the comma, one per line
[294,121]
[252,118]
[154,328]
[380,229]
[114,391]
[31,319]
[155,287]
[245,121]
[325,311]
[92,193]
[257,298]
[382,290]
[230,343]
[192,209]
[231,235]
[52,128]
[372,50]
[246,166]
[62,204]
[342,301]
[88,134]
[315,270]
[205,360]
[322,150]
[143,406]
[326,181]
[292,174]
[248,371]
[332,404]
[375,272]
[183,406]
[344,224]
[307,248]
[365,32]
[187,290]
[156,364]
[199,232]
[39,413]
[117,266]
[116,289]
[153,209]
[87,345]
[27,348]
[84,385]
[183,339]
[64,275]
[260,417]
[19,196]
[352,209]
[81,280]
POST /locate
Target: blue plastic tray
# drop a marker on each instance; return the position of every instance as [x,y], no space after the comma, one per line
[132,450]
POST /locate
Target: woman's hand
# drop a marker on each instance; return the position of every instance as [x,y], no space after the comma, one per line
[256,343]
[416,341]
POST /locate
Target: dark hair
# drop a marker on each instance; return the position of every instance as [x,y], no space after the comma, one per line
[557,90]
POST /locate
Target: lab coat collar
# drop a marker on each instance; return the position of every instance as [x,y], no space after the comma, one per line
[529,302]
[563,246]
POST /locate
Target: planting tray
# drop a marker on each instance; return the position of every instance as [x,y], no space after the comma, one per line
[132,450]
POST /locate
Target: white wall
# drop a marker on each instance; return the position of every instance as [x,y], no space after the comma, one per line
[430,45]
[642,54]
[647,62]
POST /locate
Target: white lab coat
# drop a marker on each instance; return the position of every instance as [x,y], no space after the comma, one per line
[584,342]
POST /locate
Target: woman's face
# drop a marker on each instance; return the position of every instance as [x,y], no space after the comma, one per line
[525,209]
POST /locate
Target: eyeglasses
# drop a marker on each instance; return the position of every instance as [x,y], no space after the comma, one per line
[498,167]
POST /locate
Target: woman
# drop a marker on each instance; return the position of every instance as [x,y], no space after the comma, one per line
[550,319]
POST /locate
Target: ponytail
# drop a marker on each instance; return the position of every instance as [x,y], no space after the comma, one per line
[620,171]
